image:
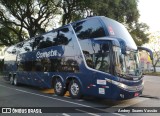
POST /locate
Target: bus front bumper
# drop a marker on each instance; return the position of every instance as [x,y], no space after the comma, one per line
[123,91]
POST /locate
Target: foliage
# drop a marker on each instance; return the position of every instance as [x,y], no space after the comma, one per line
[72,10]
[26,18]
[20,16]
[140,34]
[120,10]
[9,35]
[154,43]
[124,11]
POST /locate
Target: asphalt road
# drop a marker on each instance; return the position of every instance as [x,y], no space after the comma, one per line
[24,98]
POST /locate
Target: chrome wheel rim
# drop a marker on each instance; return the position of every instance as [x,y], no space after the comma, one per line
[58,87]
[74,89]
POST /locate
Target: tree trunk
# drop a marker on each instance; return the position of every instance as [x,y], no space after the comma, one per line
[154,68]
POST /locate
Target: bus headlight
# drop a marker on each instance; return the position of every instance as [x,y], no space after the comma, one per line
[143,82]
[126,87]
[119,84]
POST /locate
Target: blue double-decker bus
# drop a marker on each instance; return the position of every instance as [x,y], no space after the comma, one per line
[95,56]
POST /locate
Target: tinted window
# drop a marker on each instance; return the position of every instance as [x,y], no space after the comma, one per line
[14,49]
[11,50]
[58,37]
[25,66]
[27,46]
[91,28]
[18,47]
[97,54]
[117,30]
[67,64]
[63,36]
[44,41]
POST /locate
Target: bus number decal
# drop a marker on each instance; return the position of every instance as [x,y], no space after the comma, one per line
[101,82]
[101,91]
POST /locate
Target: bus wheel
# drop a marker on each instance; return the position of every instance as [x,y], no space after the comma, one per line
[11,80]
[75,89]
[15,81]
[59,87]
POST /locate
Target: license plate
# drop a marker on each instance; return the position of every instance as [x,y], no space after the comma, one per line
[136,94]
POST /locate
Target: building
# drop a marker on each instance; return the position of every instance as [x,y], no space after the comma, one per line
[145,61]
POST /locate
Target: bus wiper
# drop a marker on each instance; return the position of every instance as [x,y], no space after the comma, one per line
[121,75]
[131,74]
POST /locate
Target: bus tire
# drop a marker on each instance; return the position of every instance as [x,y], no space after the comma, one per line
[59,87]
[11,80]
[15,81]
[75,89]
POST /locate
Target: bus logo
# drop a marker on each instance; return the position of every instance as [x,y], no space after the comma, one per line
[47,54]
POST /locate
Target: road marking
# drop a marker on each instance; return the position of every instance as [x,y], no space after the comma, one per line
[131,102]
[54,95]
[51,97]
[59,99]
[64,114]
[80,100]
[93,114]
[118,114]
[46,96]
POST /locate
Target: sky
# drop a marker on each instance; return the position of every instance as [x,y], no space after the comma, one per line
[150,13]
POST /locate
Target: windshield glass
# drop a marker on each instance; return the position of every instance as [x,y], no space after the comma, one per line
[127,65]
[117,30]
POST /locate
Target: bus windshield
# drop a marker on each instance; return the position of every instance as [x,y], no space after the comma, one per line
[117,30]
[127,65]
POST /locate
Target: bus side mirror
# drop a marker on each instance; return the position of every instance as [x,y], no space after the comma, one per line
[148,50]
[122,45]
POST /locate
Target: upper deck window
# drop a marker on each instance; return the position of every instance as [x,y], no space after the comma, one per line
[88,29]
[57,37]
[117,30]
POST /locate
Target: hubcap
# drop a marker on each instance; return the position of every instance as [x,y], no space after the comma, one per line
[74,89]
[58,87]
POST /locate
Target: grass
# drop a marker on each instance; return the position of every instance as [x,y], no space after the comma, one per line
[153,73]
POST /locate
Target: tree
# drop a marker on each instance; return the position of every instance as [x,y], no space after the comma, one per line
[9,35]
[72,10]
[124,11]
[154,43]
[34,16]
[139,33]
[20,16]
